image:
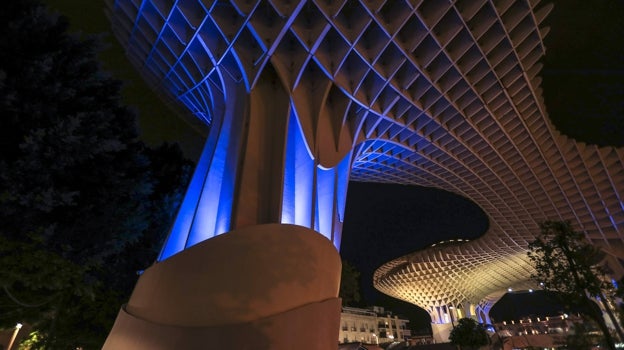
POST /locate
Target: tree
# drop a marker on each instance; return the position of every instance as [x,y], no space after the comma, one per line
[469,334]
[349,284]
[78,190]
[565,262]
[582,337]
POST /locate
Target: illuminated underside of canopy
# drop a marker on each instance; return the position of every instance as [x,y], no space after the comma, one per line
[444,94]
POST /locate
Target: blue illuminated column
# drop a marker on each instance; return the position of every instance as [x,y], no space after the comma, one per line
[483,312]
[257,168]
[253,253]
[252,258]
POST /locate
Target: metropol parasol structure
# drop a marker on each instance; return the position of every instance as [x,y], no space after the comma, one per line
[298,98]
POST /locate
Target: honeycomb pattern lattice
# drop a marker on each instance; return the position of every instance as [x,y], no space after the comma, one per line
[435,93]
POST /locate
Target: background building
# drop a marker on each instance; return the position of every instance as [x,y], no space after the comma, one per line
[373,325]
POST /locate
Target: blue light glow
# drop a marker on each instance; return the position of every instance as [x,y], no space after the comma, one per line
[483,313]
[325,200]
[207,206]
[176,241]
[194,58]
[342,182]
[313,196]
[298,177]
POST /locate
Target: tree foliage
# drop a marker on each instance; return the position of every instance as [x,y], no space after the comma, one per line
[349,284]
[566,262]
[469,334]
[583,337]
[79,193]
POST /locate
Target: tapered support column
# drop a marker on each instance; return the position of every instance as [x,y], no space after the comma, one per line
[257,167]
[262,287]
[251,261]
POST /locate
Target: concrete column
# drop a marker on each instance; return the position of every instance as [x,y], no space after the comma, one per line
[441,332]
[257,167]
[251,261]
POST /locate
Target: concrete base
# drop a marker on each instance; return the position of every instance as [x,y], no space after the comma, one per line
[306,327]
[262,287]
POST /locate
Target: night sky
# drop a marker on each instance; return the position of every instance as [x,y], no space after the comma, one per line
[583,74]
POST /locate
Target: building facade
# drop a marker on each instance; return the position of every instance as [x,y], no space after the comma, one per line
[373,325]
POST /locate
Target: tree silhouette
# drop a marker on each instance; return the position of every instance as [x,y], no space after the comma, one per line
[469,334]
[349,284]
[565,262]
[79,193]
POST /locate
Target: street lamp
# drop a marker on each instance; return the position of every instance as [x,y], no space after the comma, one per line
[17,328]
